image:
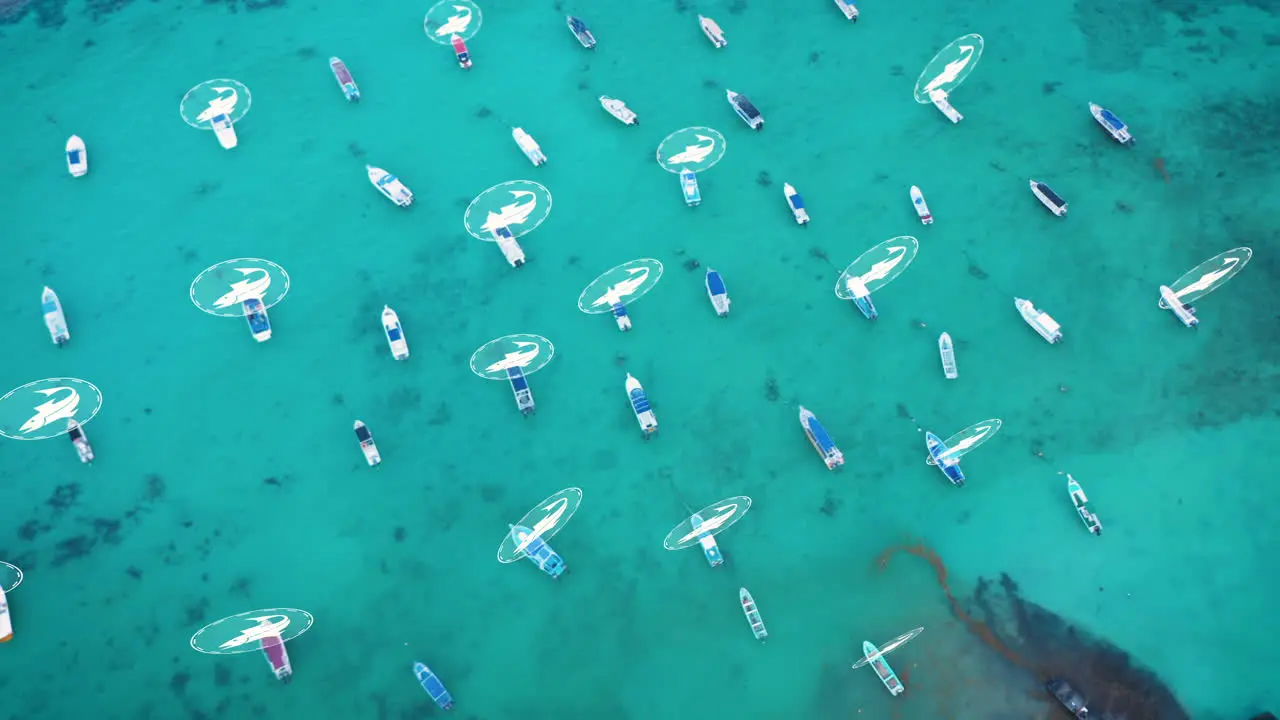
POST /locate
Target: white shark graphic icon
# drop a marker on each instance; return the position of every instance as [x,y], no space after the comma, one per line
[635,278]
[264,628]
[520,358]
[457,23]
[245,289]
[1207,280]
[550,520]
[952,70]
[882,269]
[52,410]
[725,514]
[694,153]
[962,447]
[514,214]
[219,105]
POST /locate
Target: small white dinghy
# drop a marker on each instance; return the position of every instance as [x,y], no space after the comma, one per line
[54,319]
[619,109]
[395,333]
[1049,198]
[940,101]
[712,30]
[947,351]
[367,446]
[529,147]
[796,203]
[222,127]
[922,209]
[390,186]
[77,158]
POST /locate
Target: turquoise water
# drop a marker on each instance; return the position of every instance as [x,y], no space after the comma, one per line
[227,479]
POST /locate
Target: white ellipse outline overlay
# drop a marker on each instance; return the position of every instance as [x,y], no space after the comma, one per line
[883,275]
[471,30]
[961,75]
[723,145]
[523,230]
[631,296]
[543,343]
[236,310]
[1216,281]
[208,126]
[685,526]
[965,441]
[545,533]
[890,646]
[252,646]
[17,570]
[65,429]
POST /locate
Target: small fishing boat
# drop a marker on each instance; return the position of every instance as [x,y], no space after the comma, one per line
[520,388]
[367,445]
[529,147]
[1070,698]
[748,112]
[948,353]
[640,405]
[581,31]
[460,51]
[54,319]
[619,109]
[1184,312]
[433,686]
[1080,501]
[255,313]
[822,442]
[277,657]
[849,9]
[6,625]
[796,203]
[511,249]
[395,333]
[940,101]
[689,185]
[1049,198]
[922,209]
[621,317]
[753,614]
[712,30]
[538,551]
[710,549]
[80,440]
[861,297]
[223,130]
[718,293]
[1047,327]
[345,81]
[949,465]
[77,157]
[883,671]
[1114,126]
[390,186]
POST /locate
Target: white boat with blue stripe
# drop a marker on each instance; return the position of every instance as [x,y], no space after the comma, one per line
[390,186]
[822,442]
[1114,126]
[640,406]
[718,293]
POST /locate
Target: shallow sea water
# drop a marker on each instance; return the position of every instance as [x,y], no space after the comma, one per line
[227,479]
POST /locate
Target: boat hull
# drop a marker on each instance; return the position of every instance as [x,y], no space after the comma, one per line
[752,613]
[947,352]
[689,185]
[77,157]
[395,334]
[882,669]
[6,624]
[821,441]
[1050,199]
[950,468]
[54,319]
[434,687]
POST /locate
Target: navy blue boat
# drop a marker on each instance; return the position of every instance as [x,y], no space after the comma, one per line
[718,293]
[433,686]
[539,552]
[580,31]
[950,466]
[520,387]
[620,316]
[255,313]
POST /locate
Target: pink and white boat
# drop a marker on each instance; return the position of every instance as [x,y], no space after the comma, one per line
[277,657]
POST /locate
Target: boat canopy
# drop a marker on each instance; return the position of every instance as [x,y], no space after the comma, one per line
[518,381]
[747,107]
[73,156]
[639,402]
[797,202]
[820,435]
[715,283]
[362,433]
[394,333]
[1049,193]
[1112,120]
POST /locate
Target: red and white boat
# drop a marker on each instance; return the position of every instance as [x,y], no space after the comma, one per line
[460,49]
[277,656]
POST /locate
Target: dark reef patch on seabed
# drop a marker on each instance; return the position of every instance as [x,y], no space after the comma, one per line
[52,14]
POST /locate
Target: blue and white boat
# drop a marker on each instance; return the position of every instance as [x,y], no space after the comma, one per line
[1039,320]
[747,111]
[861,297]
[433,686]
[507,243]
[395,333]
[1080,501]
[718,293]
[390,186]
[54,319]
[345,81]
[883,671]
[520,388]
[1185,313]
[1114,126]
[849,9]
[640,406]
[538,551]
[689,184]
[621,317]
[950,466]
[796,203]
[224,130]
[255,313]
[1049,198]
[708,543]
[822,442]
[581,31]
[77,157]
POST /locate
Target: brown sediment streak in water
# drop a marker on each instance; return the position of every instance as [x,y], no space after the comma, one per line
[984,633]
[1159,165]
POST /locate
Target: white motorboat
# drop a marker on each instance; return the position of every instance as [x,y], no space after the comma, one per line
[849,9]
[940,101]
[529,147]
[1184,312]
[255,313]
[77,158]
[796,204]
[511,249]
[1114,126]
[689,185]
[581,31]
[1047,327]
[80,440]
[367,446]
[54,319]
[619,109]
[718,293]
[922,209]
[395,333]
[640,406]
[1080,501]
[390,186]
[712,30]
[1049,198]
[753,614]
[747,111]
[223,129]
[947,352]
[6,625]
